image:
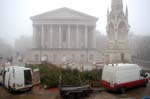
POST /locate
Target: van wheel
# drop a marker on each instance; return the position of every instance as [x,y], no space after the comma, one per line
[11,90]
[145,85]
[122,90]
[30,89]
[71,96]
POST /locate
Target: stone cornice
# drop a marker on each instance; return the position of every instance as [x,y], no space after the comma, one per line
[62,49]
[64,13]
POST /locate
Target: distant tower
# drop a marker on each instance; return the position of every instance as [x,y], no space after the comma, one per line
[117,31]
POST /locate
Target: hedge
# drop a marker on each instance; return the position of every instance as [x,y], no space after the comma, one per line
[50,75]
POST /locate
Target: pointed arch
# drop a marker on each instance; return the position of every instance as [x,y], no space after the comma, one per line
[111,25]
[122,25]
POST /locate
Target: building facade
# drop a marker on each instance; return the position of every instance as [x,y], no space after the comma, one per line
[63,35]
[117,31]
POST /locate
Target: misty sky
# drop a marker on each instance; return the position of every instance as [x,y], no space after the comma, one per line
[15,14]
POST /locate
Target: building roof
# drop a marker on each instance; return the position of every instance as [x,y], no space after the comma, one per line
[64,13]
[122,66]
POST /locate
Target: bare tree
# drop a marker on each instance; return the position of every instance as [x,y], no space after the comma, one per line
[6,51]
[22,44]
[140,48]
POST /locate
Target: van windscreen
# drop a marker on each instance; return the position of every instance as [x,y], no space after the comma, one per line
[27,77]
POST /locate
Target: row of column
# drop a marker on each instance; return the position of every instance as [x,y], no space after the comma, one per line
[50,35]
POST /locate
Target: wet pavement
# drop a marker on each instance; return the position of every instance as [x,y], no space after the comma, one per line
[34,94]
[37,93]
[136,93]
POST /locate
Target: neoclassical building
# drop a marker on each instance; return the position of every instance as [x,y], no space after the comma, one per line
[63,35]
[117,31]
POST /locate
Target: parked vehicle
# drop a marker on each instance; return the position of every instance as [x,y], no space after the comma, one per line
[119,77]
[1,76]
[74,92]
[16,78]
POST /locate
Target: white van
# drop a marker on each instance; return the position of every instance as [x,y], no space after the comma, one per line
[17,78]
[1,74]
[119,77]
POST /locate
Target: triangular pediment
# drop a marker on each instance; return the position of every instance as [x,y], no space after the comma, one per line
[63,13]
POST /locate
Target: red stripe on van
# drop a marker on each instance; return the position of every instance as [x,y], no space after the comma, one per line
[106,85]
[132,84]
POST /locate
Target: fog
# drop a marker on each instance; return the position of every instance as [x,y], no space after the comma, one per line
[15,14]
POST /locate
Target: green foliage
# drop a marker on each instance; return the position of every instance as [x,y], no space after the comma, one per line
[50,75]
[91,77]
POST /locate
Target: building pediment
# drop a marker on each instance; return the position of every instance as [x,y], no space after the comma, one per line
[63,13]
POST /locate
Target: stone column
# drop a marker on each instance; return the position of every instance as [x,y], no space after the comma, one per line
[68,41]
[77,34]
[94,37]
[85,36]
[34,37]
[48,36]
[116,36]
[51,36]
[42,36]
[38,37]
[60,36]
